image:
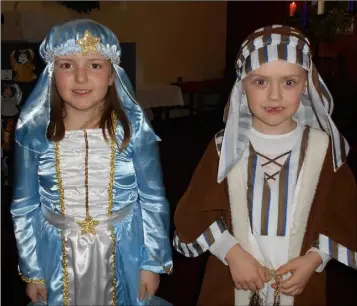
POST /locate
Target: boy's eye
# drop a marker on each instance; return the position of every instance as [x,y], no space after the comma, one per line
[260,82]
[289,83]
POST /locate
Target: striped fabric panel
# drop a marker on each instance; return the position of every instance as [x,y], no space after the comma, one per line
[322,91]
[337,251]
[244,125]
[282,51]
[219,140]
[252,168]
[283,198]
[290,45]
[305,113]
[339,144]
[323,95]
[303,147]
[203,242]
[266,200]
[282,31]
[273,202]
[327,98]
[264,227]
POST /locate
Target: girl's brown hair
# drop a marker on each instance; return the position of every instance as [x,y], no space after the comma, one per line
[56,128]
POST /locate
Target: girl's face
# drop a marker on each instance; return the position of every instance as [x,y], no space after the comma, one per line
[273,91]
[82,80]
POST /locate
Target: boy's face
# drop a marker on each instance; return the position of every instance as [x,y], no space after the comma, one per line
[273,91]
[7,92]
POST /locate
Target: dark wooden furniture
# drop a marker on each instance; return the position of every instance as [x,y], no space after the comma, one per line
[196,90]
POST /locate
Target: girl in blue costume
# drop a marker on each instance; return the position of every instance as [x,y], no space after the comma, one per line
[89,209]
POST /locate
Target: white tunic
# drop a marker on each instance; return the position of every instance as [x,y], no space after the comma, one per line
[270,249]
[72,158]
[89,257]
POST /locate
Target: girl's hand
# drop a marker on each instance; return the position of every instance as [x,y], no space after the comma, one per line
[34,291]
[149,283]
[301,268]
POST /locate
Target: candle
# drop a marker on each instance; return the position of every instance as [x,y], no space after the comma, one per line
[320,7]
[351,6]
[292,9]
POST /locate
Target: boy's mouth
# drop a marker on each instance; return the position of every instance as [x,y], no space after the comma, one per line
[273,109]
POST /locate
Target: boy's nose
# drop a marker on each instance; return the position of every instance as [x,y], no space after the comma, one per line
[275,92]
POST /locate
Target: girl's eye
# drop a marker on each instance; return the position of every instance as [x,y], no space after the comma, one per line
[65,65]
[96,66]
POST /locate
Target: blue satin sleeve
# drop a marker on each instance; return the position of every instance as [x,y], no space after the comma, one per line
[25,211]
[156,253]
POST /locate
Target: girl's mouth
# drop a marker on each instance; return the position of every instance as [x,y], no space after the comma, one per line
[81,91]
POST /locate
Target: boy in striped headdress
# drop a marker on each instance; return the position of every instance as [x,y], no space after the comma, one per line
[272,198]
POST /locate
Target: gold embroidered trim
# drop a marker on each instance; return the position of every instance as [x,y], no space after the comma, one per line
[64,271]
[112,168]
[87,225]
[32,280]
[63,246]
[110,208]
[112,237]
[59,177]
[166,269]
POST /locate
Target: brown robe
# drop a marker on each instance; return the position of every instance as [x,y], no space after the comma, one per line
[333,213]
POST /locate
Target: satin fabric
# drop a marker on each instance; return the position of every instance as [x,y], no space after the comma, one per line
[142,238]
[61,40]
[89,257]
[89,267]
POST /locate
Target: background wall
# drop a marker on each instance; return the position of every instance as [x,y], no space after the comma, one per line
[174,39]
[262,13]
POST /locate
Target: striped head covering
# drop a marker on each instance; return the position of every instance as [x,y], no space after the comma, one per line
[266,45]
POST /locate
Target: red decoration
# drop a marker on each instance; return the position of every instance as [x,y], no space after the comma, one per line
[292,9]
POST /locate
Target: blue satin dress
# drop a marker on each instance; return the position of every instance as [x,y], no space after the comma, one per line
[87,269]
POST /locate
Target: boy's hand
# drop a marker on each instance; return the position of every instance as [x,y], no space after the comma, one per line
[35,291]
[247,273]
[149,283]
[301,268]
